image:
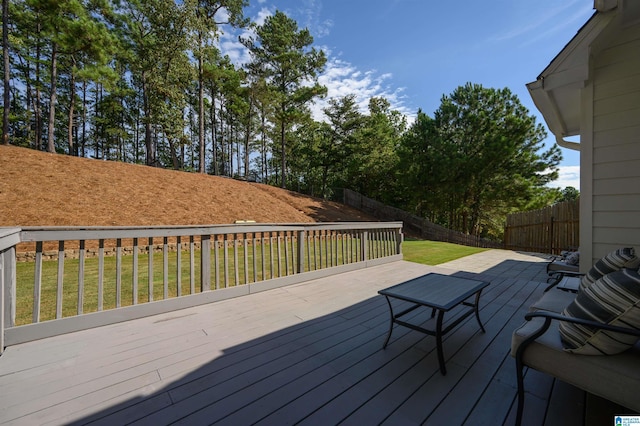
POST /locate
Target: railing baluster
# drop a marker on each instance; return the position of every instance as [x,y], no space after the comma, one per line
[165,267]
[331,248]
[118,273]
[37,284]
[216,261]
[81,278]
[286,254]
[236,265]
[150,277]
[315,249]
[279,255]
[246,258]
[100,274]
[192,265]
[321,248]
[179,266]
[309,236]
[294,266]
[262,256]
[255,259]
[135,273]
[226,260]
[385,242]
[327,248]
[60,286]
[301,247]
[271,255]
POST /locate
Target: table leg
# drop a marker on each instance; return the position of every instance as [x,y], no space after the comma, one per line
[390,323]
[477,312]
[438,336]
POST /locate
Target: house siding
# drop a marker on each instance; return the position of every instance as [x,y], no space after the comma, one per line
[614,180]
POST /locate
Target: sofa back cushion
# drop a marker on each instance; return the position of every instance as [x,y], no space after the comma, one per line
[613,299]
[614,261]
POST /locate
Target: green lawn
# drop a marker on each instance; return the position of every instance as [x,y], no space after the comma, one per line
[435,252]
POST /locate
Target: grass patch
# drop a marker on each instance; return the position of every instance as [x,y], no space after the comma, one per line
[435,252]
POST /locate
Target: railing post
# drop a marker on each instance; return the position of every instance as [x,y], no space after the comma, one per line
[7,292]
[205,263]
[301,245]
[365,246]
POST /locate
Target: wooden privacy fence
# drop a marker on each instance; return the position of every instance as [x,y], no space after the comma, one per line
[418,225]
[549,230]
[140,271]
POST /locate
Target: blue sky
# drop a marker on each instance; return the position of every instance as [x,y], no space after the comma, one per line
[415,51]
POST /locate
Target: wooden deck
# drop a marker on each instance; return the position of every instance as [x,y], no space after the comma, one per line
[304,354]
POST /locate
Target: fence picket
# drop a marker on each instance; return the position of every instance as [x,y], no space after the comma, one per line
[548,230]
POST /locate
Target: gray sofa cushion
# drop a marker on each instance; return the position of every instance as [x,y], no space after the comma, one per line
[553,300]
[562,267]
[613,299]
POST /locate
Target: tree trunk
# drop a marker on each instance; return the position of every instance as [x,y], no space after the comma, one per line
[201,139]
[7,73]
[84,119]
[214,137]
[247,138]
[36,105]
[96,109]
[148,137]
[282,151]
[51,147]
[263,136]
[72,95]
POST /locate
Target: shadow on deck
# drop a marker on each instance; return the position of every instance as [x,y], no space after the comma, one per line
[305,354]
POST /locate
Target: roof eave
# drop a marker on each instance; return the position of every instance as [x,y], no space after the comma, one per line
[557,90]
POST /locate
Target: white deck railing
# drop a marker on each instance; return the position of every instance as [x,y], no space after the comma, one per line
[59,280]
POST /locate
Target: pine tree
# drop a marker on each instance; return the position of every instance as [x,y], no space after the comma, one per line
[281,55]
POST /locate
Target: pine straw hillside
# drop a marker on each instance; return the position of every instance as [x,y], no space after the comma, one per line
[42,189]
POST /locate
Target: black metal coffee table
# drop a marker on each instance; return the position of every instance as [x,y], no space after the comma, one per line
[440,293]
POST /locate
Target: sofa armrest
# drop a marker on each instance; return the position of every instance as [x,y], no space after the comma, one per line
[549,316]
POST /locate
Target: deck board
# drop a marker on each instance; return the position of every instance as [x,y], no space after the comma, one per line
[305,354]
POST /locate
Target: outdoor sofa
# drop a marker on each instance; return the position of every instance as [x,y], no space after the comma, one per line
[580,339]
[567,265]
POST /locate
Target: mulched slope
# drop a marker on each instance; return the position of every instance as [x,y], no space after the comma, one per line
[42,189]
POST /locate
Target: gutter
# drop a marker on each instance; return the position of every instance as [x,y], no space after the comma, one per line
[567,144]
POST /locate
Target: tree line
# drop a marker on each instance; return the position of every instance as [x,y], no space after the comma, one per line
[148,81]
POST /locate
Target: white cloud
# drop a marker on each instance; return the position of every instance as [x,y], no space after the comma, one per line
[342,78]
[568,176]
[263,15]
